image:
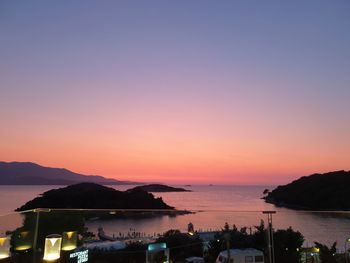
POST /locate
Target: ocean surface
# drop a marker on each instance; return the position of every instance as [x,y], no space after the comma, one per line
[214,205]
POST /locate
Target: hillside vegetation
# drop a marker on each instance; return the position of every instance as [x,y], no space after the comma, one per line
[329,191]
[95,196]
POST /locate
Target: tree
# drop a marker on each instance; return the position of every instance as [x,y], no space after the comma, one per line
[134,252]
[327,255]
[215,246]
[226,227]
[259,236]
[287,243]
[181,245]
[237,239]
[159,257]
[266,191]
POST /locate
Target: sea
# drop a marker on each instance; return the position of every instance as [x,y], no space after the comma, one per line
[213,206]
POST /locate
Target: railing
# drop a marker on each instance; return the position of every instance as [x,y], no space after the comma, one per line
[98,236]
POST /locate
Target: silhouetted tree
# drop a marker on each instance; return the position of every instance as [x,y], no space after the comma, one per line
[327,254]
[181,245]
[259,236]
[215,246]
[134,253]
[287,243]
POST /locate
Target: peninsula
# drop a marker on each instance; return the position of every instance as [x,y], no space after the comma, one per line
[328,191]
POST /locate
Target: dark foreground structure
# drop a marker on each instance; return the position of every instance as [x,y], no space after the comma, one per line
[63,235]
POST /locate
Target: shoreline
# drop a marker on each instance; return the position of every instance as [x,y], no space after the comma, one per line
[301,208]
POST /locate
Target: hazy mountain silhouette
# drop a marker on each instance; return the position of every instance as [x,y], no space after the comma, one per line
[328,191]
[158,188]
[27,173]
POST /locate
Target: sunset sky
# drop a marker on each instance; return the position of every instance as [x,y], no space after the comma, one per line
[239,92]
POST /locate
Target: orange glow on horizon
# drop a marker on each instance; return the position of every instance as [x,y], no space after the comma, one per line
[183,152]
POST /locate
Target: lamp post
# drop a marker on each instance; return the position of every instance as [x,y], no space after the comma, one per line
[346,249]
[36,230]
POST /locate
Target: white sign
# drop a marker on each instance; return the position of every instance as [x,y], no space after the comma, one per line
[82,256]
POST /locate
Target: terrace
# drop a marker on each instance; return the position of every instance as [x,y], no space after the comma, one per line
[84,235]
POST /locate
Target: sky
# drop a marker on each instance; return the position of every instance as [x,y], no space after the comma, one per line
[224,92]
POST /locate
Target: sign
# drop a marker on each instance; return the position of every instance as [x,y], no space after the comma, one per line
[82,256]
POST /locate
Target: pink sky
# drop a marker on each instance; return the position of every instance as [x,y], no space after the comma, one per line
[230,92]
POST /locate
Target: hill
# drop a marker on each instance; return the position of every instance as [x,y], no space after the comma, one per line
[27,173]
[329,191]
[95,196]
[158,188]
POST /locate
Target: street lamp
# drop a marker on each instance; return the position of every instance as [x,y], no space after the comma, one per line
[346,249]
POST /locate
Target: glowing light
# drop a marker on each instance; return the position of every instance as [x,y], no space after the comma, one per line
[69,240]
[52,247]
[23,241]
[20,248]
[4,247]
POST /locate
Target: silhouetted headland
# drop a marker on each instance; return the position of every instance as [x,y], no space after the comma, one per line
[158,188]
[27,173]
[328,191]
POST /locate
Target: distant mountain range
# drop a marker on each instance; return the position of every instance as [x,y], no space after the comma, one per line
[27,173]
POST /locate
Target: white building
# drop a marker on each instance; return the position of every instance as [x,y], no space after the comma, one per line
[250,255]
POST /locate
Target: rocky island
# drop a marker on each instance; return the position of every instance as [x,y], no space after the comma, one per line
[103,202]
[95,196]
[158,188]
[328,191]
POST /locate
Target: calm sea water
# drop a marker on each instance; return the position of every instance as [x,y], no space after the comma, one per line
[239,205]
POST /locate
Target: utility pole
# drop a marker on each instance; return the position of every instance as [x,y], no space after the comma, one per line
[227,238]
[270,242]
[37,211]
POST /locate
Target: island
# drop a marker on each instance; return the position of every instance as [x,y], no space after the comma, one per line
[158,188]
[95,196]
[69,208]
[328,191]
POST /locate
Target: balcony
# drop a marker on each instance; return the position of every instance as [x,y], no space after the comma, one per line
[98,236]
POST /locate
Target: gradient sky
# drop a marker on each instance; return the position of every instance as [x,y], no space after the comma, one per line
[246,92]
